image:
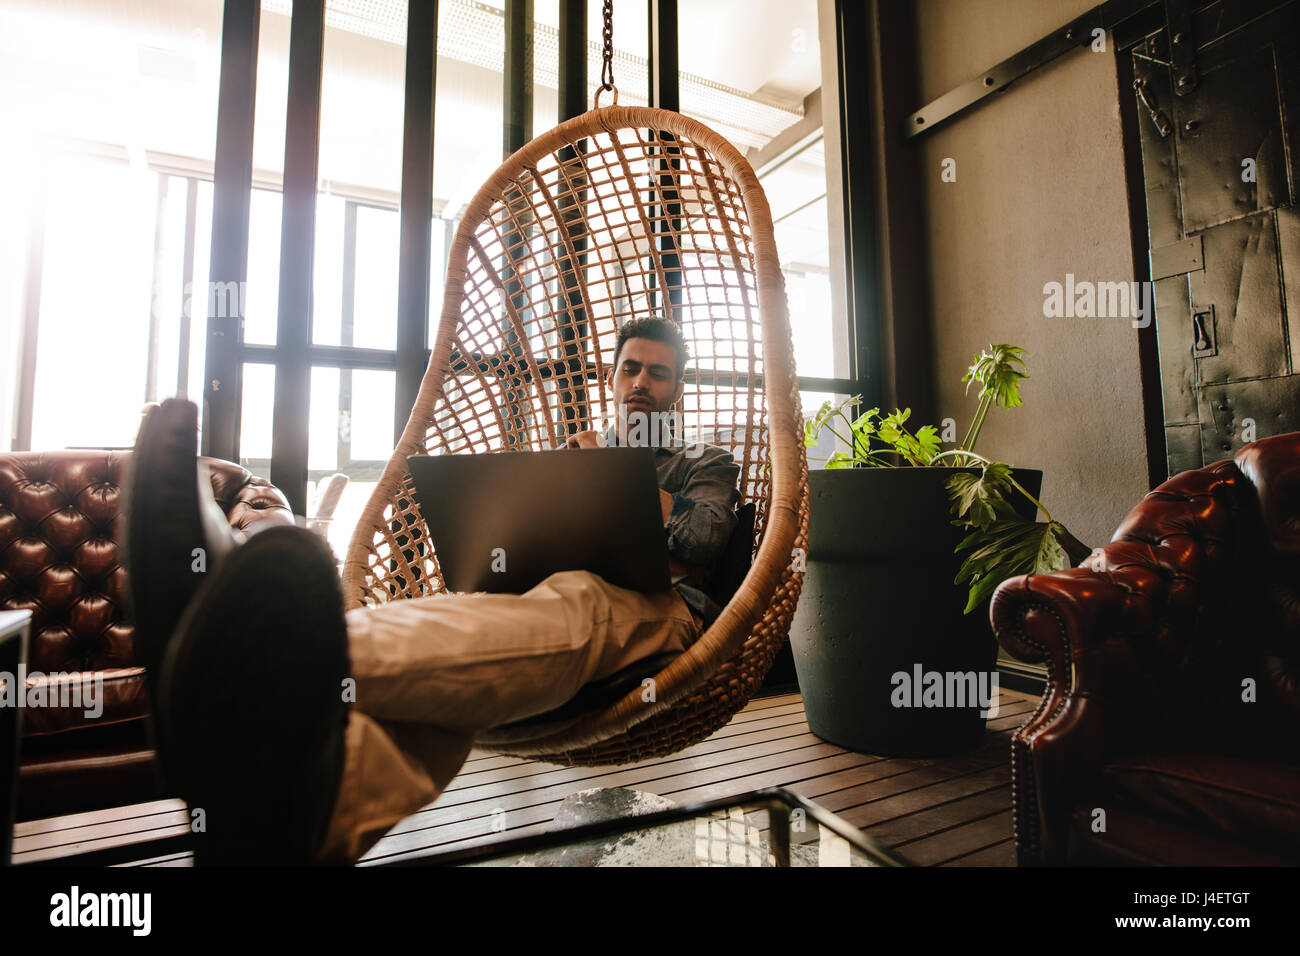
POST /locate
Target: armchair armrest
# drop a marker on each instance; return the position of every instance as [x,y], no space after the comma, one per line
[1129,638]
[246,499]
[1073,621]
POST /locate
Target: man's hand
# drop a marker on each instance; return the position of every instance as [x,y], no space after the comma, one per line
[676,567]
[588,439]
[594,439]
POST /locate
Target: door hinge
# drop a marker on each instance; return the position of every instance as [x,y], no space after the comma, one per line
[1148,98]
[1182,46]
[1177,258]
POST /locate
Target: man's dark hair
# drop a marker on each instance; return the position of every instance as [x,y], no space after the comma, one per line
[661,330]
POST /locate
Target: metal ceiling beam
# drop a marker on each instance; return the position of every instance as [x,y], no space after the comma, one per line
[792,140]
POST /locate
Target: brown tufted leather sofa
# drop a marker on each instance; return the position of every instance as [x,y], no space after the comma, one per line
[59,559]
[1151,646]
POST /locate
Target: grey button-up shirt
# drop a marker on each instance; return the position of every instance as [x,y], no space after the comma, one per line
[703,480]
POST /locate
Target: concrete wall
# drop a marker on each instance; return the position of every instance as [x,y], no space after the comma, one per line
[1040,192]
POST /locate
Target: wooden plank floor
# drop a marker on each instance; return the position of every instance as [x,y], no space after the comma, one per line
[951,811]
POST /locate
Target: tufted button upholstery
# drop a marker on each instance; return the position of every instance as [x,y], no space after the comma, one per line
[1152,643]
[59,559]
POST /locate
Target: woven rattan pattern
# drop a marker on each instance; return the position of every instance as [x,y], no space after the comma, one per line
[583,229]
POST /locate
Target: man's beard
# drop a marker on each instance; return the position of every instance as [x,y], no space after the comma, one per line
[640,425]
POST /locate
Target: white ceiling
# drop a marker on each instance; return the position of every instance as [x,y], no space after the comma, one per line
[144,74]
[751,45]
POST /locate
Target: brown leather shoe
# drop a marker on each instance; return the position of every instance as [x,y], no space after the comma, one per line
[252,713]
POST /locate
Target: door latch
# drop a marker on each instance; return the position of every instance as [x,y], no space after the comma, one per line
[1203,343]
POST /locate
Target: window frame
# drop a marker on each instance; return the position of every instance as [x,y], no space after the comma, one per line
[233,179]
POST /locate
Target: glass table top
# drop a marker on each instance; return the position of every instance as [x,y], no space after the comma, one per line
[770,827]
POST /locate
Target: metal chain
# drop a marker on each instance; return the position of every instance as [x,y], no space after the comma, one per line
[607,36]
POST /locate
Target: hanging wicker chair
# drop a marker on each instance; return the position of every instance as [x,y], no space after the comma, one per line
[583,229]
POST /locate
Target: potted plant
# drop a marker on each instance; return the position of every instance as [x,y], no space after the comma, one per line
[891,656]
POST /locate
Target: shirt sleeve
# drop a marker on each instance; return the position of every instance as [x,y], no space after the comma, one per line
[704,509]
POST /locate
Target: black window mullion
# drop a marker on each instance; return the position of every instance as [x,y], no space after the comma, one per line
[416,207]
[573,59]
[663,55]
[517,129]
[289,430]
[852,26]
[664,94]
[331,356]
[573,102]
[187,284]
[518,75]
[232,182]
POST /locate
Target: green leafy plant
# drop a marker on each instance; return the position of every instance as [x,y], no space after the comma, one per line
[1000,543]
[869,430]
[996,371]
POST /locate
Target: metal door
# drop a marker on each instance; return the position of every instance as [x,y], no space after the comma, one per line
[1219,111]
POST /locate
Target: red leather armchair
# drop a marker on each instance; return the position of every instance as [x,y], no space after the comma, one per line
[1169,732]
[59,559]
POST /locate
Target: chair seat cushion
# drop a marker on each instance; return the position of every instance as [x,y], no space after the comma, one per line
[1251,802]
[86,699]
[79,779]
[1134,837]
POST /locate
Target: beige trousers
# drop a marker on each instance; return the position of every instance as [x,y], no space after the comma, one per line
[431,673]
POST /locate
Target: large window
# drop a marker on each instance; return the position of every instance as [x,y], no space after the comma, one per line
[111,109]
[354,261]
[752,70]
[105,252]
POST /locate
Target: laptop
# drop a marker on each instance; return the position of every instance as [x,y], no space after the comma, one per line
[502,522]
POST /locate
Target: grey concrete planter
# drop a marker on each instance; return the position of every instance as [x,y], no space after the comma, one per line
[879,616]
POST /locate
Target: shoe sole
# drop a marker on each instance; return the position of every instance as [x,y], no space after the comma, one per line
[163,529]
[252,710]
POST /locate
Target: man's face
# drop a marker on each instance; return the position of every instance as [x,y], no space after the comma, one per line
[646,377]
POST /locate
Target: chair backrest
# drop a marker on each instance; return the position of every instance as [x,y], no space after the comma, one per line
[1271,467]
[620,214]
[59,556]
[1210,561]
[328,494]
[736,558]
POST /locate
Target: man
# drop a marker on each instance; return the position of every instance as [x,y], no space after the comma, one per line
[647,378]
[255,662]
